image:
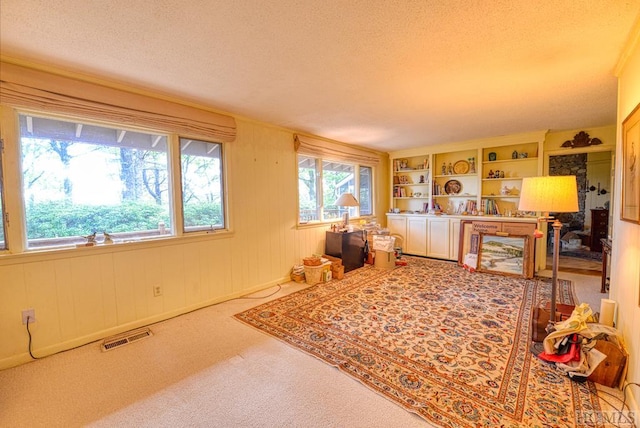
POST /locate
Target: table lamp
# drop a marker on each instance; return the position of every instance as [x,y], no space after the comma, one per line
[347,200]
[557,194]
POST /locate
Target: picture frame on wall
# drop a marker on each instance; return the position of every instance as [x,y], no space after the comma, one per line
[631,167]
[505,255]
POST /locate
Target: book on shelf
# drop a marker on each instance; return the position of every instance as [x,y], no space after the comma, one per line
[490,207]
[399,192]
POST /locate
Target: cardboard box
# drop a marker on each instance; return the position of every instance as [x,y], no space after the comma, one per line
[385,259]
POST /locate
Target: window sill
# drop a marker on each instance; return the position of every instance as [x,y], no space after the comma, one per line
[355,221]
[7,258]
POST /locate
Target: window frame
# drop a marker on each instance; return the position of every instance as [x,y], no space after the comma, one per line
[17,235]
[223,181]
[319,182]
[4,245]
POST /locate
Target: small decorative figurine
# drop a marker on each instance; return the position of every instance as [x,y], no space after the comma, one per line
[514,155]
[107,238]
[472,165]
[450,169]
[496,174]
[422,179]
[490,173]
[444,169]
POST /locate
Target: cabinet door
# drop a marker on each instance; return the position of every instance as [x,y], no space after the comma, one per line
[454,238]
[397,225]
[438,238]
[416,242]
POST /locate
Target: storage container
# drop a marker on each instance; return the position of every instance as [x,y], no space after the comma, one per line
[385,259]
[316,274]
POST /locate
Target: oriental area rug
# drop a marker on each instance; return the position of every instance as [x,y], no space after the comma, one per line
[449,345]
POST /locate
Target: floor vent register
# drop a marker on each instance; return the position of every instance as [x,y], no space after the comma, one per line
[119,340]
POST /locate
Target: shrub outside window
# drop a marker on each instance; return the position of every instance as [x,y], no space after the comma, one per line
[80,179]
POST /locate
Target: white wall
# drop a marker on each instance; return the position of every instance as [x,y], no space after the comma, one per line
[83,295]
[625,275]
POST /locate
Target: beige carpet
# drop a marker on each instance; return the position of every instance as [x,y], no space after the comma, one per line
[200,369]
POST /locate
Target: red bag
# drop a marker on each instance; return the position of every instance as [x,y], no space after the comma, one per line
[572,355]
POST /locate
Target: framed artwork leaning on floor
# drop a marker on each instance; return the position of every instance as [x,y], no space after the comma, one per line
[505,255]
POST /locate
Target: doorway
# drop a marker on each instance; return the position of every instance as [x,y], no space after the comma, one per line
[580,247]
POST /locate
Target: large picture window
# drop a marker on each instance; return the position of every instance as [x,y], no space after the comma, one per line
[322,181]
[81,178]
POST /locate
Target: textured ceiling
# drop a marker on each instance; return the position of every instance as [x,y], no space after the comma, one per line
[386,74]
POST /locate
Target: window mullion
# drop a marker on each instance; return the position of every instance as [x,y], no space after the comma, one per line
[175,178]
[319,190]
[356,188]
[15,232]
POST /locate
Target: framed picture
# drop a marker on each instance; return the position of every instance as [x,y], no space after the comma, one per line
[631,167]
[468,228]
[505,255]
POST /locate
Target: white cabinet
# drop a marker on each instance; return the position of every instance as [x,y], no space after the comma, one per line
[397,225]
[416,242]
[430,236]
[438,245]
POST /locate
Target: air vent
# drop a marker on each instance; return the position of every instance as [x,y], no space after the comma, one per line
[124,339]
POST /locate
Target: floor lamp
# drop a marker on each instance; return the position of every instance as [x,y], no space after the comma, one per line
[557,194]
[347,200]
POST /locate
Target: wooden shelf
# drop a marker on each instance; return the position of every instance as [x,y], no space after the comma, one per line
[410,170]
[456,175]
[510,160]
[410,197]
[455,196]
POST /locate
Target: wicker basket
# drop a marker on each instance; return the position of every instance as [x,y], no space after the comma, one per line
[312,261]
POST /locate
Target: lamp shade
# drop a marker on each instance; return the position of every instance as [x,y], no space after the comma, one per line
[558,193]
[347,200]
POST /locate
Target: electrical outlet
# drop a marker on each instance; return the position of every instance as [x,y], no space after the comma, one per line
[31,314]
[157,291]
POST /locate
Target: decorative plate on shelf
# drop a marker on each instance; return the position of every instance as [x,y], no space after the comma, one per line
[452,187]
[461,167]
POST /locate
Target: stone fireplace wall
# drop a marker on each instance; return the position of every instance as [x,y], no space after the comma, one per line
[572,165]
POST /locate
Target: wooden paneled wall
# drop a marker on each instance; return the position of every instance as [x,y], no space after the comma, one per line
[84,295]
